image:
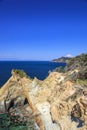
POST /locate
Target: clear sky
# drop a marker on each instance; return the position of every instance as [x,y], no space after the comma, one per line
[42,29]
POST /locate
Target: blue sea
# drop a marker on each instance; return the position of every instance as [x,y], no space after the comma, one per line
[37,69]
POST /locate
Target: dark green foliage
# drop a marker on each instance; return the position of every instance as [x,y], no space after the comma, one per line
[21,73]
[4,121]
[84,57]
[8,122]
[59,69]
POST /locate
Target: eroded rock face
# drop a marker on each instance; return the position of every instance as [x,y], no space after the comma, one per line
[13,101]
[44,109]
[55,103]
[2,106]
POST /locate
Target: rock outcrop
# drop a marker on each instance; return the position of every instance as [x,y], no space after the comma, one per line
[57,103]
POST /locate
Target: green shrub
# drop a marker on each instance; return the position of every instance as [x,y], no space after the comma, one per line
[6,123]
[21,73]
[60,69]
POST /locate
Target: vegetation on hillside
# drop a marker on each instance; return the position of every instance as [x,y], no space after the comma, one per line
[59,69]
[78,63]
[62,59]
[21,73]
[8,122]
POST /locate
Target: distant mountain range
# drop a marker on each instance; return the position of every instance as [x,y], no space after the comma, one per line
[62,59]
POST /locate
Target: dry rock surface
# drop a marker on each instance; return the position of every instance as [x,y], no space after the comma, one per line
[56,103]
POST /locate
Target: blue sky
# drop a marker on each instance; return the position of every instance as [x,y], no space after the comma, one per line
[42,29]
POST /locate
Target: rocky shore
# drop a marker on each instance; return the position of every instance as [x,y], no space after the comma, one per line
[62,59]
[57,103]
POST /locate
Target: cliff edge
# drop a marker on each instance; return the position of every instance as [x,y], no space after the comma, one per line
[57,103]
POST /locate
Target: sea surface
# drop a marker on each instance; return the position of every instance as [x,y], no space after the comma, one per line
[37,69]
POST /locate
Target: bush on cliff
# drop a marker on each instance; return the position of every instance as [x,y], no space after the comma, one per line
[21,73]
[12,123]
[59,69]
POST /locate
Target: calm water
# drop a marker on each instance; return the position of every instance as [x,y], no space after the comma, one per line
[37,69]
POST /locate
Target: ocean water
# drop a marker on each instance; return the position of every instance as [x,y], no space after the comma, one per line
[37,69]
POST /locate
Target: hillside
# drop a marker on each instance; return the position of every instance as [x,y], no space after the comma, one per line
[57,103]
[62,59]
[78,65]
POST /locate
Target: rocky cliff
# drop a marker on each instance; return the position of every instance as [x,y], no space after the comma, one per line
[57,103]
[62,59]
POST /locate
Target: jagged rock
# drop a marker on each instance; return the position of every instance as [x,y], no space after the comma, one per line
[20,101]
[44,109]
[57,103]
[7,104]
[76,111]
[2,106]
